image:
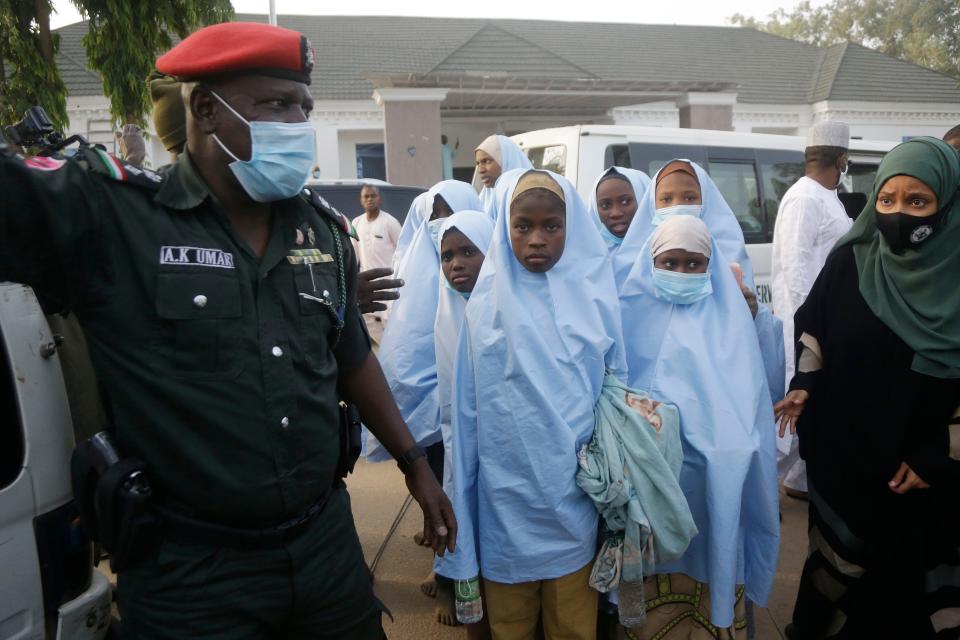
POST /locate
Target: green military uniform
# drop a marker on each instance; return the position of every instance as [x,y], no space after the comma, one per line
[220,373]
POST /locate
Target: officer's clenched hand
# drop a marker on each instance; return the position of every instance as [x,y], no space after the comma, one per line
[440,525]
[374,286]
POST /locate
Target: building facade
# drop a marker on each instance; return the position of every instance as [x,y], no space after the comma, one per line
[387,88]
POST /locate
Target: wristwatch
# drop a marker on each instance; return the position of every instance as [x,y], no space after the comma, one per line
[408,458]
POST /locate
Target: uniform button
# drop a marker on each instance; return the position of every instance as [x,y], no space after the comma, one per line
[200,301]
[285,422]
[277,352]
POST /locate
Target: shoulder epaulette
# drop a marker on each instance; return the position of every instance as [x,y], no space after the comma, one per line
[107,164]
[320,204]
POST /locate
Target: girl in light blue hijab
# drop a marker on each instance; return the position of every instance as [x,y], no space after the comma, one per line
[419,211]
[494,157]
[690,341]
[615,208]
[407,349]
[540,330]
[681,188]
[464,240]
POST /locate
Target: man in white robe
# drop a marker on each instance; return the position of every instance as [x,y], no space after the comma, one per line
[810,220]
[378,232]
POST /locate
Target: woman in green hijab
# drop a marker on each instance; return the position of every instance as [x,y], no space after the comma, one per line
[875,401]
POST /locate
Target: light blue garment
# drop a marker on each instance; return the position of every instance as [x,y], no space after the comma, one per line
[511,157]
[407,352]
[478,227]
[705,358]
[681,288]
[726,232]
[717,215]
[433,228]
[638,180]
[528,372]
[281,157]
[420,210]
[630,469]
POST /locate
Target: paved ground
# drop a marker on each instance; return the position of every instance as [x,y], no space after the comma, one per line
[378,493]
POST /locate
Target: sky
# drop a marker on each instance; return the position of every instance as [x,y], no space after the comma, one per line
[696,12]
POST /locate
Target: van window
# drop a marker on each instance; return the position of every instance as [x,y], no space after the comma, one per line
[617,155]
[650,158]
[779,170]
[553,158]
[860,177]
[11,431]
[737,182]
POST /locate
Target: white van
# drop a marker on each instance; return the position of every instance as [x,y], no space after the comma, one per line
[48,586]
[752,170]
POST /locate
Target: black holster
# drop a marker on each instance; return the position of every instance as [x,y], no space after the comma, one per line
[350,440]
[114,500]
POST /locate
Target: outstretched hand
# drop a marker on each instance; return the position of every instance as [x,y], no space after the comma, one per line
[787,411]
[373,287]
[440,524]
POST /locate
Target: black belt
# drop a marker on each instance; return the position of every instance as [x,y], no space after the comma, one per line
[188,530]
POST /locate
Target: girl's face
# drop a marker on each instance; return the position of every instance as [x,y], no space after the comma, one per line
[681,261]
[617,204]
[460,261]
[676,189]
[538,230]
[487,168]
[906,194]
[440,208]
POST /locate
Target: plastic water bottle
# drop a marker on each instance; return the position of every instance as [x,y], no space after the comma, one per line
[468,600]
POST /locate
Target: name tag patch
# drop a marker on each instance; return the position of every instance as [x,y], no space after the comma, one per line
[196,257]
[308,256]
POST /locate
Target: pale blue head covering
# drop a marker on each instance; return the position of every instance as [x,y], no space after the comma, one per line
[529,369]
[419,210]
[407,352]
[638,180]
[459,195]
[478,228]
[705,358]
[511,157]
[717,215]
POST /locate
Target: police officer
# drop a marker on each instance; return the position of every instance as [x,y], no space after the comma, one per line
[219,301]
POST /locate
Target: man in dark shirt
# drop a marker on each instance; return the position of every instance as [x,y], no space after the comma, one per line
[219,303]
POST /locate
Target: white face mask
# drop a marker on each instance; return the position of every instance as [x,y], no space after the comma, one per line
[695,210]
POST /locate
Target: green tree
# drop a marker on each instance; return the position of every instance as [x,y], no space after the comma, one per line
[925,32]
[125,38]
[28,72]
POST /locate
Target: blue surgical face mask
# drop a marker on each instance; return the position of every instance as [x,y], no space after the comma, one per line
[610,239]
[695,210]
[681,288]
[433,228]
[281,157]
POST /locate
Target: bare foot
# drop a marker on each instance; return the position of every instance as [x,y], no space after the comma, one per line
[446,610]
[429,586]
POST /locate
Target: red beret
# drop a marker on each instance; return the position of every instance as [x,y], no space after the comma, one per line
[240,48]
